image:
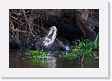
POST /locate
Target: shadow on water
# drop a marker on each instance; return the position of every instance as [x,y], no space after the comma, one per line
[17,59]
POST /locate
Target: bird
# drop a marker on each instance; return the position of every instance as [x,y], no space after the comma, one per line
[51,43]
[47,41]
[50,38]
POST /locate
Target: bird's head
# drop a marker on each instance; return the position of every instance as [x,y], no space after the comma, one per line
[53,28]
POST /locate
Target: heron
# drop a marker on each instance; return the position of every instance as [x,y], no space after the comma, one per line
[51,43]
[47,41]
[50,38]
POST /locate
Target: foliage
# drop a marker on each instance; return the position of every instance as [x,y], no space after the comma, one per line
[83,49]
[39,58]
[37,54]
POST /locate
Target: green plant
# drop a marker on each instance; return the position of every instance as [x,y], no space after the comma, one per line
[83,50]
[37,54]
[39,58]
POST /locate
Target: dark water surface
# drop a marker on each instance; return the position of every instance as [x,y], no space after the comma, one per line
[17,59]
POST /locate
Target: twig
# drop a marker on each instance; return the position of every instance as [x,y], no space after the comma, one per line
[27,20]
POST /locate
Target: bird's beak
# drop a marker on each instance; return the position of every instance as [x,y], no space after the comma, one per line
[56,30]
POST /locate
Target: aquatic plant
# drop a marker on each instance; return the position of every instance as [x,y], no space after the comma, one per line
[85,49]
[39,54]
[38,57]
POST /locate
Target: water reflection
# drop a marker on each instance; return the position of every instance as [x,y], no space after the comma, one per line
[17,59]
[52,62]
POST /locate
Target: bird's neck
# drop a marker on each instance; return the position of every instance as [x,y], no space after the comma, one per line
[50,38]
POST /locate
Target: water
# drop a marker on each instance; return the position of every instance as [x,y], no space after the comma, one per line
[17,59]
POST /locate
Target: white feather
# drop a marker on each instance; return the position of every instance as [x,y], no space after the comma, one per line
[51,40]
